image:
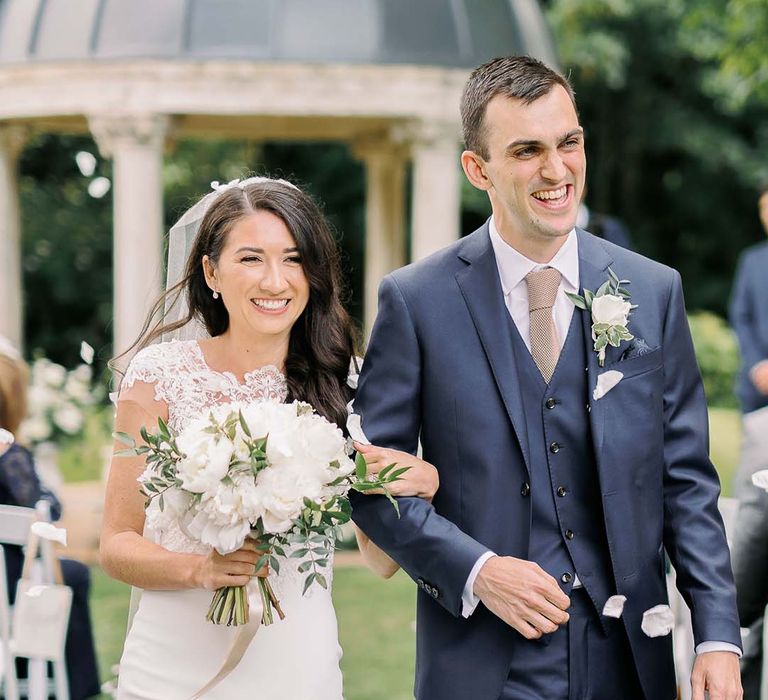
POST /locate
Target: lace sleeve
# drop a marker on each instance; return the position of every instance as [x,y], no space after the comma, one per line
[149,366]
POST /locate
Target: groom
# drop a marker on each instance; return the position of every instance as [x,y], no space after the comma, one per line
[562,481]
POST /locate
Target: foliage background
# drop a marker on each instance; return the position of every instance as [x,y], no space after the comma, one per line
[674,98]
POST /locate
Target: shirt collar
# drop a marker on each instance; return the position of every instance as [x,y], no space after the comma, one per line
[514,266]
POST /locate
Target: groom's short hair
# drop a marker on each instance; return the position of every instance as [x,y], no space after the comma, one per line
[517,77]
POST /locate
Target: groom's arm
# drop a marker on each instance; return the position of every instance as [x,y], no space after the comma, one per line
[430,548]
[693,529]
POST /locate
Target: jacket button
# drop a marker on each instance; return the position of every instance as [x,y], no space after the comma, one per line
[551,403]
[562,491]
[566,577]
[569,534]
[554,447]
[525,489]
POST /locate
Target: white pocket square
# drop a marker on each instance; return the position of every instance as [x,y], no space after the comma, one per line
[605,382]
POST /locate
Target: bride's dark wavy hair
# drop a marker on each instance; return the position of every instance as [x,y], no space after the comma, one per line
[323,339]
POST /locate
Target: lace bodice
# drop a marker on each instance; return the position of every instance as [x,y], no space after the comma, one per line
[184,381]
[188,386]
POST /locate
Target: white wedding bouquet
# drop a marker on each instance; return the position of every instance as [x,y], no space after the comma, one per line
[276,472]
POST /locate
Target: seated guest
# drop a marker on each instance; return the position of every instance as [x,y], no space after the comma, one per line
[20,486]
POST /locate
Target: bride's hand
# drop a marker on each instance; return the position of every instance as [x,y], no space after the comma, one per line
[420,480]
[236,569]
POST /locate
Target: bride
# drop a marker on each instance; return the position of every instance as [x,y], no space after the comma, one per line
[262,277]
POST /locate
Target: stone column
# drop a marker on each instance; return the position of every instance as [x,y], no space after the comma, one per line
[384,161]
[12,138]
[436,202]
[135,144]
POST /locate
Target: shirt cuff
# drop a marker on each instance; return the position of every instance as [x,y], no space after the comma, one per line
[469,600]
[704,647]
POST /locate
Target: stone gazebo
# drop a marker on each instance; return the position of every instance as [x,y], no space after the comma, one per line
[384,76]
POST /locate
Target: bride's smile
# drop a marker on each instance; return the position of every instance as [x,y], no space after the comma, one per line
[259,277]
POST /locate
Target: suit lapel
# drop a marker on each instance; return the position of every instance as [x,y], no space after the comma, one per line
[594,262]
[481,288]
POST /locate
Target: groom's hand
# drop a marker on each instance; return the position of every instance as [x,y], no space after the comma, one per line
[522,594]
[718,673]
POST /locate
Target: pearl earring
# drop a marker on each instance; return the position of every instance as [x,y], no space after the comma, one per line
[215,294]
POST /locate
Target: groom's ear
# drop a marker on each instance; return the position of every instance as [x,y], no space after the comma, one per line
[474,169]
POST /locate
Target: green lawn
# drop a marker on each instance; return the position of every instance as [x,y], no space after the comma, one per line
[724,441]
[378,641]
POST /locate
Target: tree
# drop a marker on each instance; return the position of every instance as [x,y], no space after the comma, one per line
[664,155]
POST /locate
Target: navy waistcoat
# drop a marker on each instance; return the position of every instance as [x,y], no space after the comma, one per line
[567,525]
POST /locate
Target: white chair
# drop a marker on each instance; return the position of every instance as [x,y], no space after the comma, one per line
[8,672]
[682,635]
[39,646]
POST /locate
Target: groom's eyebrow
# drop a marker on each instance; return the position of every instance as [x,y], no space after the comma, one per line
[249,249]
[534,142]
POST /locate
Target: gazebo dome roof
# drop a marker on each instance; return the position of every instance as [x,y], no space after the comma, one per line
[444,33]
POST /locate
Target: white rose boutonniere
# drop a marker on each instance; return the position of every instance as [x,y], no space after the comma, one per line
[610,308]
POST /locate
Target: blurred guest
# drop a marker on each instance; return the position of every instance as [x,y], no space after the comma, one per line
[20,486]
[749,318]
[604,226]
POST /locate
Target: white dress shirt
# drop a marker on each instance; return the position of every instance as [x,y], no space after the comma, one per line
[513,266]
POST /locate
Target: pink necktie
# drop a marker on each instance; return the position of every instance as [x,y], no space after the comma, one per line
[542,291]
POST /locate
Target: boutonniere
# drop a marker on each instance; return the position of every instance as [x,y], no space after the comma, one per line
[610,309]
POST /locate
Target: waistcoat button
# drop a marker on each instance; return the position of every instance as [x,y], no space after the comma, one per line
[551,403]
[554,447]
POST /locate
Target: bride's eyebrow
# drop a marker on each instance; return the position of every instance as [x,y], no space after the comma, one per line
[248,249]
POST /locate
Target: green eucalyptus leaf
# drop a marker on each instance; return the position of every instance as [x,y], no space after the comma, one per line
[577,300]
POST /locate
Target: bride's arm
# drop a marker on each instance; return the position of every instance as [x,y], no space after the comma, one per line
[125,554]
[420,480]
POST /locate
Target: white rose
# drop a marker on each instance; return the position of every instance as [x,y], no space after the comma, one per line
[611,310]
[206,459]
[282,493]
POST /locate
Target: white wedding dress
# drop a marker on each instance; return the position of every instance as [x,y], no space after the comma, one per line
[171,650]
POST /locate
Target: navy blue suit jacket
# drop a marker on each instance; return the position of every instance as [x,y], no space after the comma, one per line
[439,368]
[749,318]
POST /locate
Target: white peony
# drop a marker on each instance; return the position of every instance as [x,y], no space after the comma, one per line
[206,458]
[175,504]
[611,310]
[204,524]
[282,492]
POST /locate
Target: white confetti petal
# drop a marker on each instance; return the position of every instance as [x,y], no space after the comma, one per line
[86,353]
[86,163]
[605,382]
[98,187]
[658,621]
[760,479]
[6,437]
[35,591]
[614,606]
[50,532]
